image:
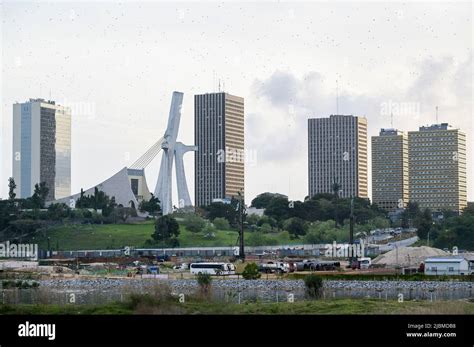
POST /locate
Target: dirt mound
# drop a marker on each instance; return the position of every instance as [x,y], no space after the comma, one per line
[408,256]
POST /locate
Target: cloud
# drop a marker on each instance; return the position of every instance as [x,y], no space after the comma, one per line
[276,126]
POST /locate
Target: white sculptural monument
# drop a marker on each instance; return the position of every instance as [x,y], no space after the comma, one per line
[173,152]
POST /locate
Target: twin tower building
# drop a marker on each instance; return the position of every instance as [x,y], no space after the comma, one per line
[427,166]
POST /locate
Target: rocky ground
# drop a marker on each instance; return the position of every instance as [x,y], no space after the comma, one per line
[107,284]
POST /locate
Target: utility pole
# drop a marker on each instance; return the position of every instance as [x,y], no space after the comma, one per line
[241,232]
[351,231]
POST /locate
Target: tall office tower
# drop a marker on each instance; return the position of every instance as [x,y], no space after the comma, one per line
[390,169]
[219,136]
[42,148]
[437,167]
[337,153]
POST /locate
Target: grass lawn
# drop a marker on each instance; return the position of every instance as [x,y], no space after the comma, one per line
[336,306]
[113,236]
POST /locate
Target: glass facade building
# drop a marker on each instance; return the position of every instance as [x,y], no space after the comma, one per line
[42,148]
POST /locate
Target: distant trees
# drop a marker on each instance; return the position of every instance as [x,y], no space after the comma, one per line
[295,226]
[11,188]
[322,207]
[424,223]
[263,200]
[39,196]
[99,201]
[58,211]
[221,223]
[166,231]
[194,223]
[151,206]
[221,210]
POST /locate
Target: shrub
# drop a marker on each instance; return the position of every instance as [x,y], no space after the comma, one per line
[314,286]
[221,223]
[266,228]
[251,272]
[204,282]
[194,223]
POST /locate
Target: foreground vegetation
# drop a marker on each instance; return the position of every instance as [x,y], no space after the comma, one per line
[144,304]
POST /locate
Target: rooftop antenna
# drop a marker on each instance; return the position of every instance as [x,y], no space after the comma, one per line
[436,114]
[391,120]
[337,97]
[219,85]
[213,80]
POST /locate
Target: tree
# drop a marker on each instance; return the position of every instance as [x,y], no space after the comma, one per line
[99,201]
[336,187]
[266,228]
[314,286]
[204,281]
[151,206]
[278,208]
[11,188]
[39,196]
[58,211]
[263,200]
[251,272]
[221,210]
[295,226]
[122,213]
[166,231]
[424,224]
[221,223]
[412,212]
[194,223]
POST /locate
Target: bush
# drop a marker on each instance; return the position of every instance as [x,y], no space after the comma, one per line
[266,228]
[221,223]
[19,284]
[194,223]
[251,272]
[204,282]
[314,286]
[295,226]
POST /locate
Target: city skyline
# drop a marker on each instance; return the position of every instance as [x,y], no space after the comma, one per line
[284,82]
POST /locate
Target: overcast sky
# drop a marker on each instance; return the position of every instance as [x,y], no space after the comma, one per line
[117,65]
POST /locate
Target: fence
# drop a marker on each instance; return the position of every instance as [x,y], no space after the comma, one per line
[97,296]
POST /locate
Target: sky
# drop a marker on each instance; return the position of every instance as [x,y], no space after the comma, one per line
[116,65]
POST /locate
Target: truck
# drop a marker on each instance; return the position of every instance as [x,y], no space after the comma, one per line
[317,265]
[362,263]
[271,267]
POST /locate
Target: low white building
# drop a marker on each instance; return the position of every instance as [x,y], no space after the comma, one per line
[447,266]
[256,211]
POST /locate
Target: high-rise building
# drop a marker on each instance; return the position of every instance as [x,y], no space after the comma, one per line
[390,169]
[437,167]
[219,136]
[42,148]
[337,154]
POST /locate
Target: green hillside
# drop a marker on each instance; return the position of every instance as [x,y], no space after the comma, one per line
[113,236]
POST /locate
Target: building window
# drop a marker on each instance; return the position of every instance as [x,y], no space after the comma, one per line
[134,185]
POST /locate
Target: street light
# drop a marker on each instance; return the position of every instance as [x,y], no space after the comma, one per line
[241,224]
